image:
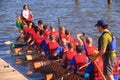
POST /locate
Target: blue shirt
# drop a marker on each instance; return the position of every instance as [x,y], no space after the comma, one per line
[83,47]
[89,68]
[59,50]
[72,61]
[44,46]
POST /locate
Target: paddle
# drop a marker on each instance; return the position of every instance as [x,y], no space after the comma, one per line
[58,22]
[84,65]
[43,63]
[8,42]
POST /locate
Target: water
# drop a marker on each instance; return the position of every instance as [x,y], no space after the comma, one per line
[76,15]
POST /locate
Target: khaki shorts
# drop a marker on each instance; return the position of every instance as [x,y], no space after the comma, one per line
[108,64]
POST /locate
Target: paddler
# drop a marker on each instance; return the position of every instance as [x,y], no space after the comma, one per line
[78,60]
[92,72]
[86,43]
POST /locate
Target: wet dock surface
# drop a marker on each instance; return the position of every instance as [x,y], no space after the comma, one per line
[9,70]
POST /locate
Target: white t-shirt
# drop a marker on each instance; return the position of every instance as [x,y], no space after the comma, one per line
[25,13]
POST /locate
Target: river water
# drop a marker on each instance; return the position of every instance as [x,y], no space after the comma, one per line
[76,15]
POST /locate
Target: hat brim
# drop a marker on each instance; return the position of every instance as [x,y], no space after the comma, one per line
[96,25]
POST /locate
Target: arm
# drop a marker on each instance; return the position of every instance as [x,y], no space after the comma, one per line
[101,52]
[87,71]
[79,38]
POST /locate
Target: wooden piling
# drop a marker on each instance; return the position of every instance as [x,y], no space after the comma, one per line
[58,22]
[109,1]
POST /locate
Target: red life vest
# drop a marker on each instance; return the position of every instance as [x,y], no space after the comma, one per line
[80,60]
[70,55]
[90,50]
[71,39]
[53,46]
[36,36]
[30,17]
[55,33]
[115,68]
[46,33]
[97,75]
[27,30]
[39,40]
[62,35]
[31,32]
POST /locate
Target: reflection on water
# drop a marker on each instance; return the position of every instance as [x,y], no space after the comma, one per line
[76,15]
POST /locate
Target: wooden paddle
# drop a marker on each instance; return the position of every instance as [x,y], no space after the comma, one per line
[38,64]
[84,65]
[8,42]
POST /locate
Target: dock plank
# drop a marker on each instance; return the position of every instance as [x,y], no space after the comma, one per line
[7,72]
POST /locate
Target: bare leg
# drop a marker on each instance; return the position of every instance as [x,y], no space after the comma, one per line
[109,77]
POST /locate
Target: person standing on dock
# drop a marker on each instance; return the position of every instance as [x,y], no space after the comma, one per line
[26,15]
[107,49]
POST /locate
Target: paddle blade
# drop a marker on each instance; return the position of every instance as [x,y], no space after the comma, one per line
[8,42]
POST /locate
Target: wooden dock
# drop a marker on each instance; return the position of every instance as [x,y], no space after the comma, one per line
[7,72]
